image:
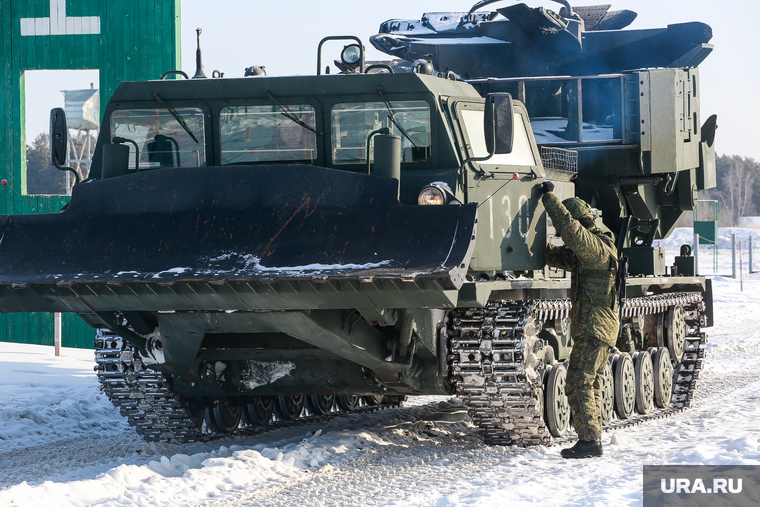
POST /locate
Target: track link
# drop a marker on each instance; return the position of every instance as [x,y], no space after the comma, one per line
[142,394]
[496,374]
[146,399]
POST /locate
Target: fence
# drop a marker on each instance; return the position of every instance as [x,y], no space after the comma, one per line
[741,250]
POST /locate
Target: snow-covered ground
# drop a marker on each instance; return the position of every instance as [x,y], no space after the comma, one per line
[64,444]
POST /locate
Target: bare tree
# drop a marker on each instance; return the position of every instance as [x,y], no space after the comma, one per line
[41,177]
[736,191]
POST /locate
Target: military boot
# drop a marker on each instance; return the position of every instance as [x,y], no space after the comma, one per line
[584,449]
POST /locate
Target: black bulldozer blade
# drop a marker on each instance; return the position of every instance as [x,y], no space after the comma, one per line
[261,224]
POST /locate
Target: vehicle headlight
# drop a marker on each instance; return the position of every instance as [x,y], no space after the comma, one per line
[351,54]
[431,195]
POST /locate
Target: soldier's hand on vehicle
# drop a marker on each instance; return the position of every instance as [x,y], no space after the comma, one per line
[546,186]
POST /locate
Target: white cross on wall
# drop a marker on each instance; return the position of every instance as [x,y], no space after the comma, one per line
[59,24]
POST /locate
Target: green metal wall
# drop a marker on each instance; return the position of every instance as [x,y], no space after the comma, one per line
[128,40]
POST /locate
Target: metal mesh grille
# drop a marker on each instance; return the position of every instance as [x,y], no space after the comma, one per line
[559,159]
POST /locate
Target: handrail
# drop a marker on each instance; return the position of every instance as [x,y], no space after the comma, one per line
[339,37]
[174,72]
[486,80]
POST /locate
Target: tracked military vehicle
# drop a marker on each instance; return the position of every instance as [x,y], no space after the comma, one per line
[300,245]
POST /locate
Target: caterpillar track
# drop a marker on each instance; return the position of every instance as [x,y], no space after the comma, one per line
[497,364]
[496,372]
[496,360]
[145,397]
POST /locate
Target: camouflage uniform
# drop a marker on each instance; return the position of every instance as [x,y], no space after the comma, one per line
[591,257]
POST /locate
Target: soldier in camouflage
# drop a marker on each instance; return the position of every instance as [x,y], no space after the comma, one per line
[590,256]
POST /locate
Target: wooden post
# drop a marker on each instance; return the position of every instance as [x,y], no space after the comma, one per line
[57,333]
[741,269]
[751,266]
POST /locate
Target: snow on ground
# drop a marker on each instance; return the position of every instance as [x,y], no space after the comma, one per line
[46,398]
[64,444]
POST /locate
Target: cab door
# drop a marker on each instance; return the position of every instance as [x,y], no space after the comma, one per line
[511,220]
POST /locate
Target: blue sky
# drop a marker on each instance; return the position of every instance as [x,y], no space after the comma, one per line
[283,36]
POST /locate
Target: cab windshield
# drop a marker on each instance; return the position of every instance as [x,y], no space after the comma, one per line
[162,141]
[251,134]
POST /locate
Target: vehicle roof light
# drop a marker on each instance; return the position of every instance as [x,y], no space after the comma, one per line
[351,54]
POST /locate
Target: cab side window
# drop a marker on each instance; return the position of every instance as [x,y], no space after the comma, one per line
[522,152]
[351,124]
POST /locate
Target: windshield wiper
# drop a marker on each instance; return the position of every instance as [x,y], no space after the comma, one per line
[288,114]
[392,115]
[176,117]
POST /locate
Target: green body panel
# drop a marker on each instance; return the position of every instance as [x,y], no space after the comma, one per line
[512,231]
[138,40]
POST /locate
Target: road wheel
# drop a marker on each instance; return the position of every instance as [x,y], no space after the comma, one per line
[663,378]
[373,400]
[259,411]
[644,373]
[625,386]
[557,407]
[289,408]
[321,404]
[348,402]
[675,332]
[227,415]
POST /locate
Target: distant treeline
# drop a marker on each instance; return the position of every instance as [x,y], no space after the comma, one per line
[738,190]
[41,177]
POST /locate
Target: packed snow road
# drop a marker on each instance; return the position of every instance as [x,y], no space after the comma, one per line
[64,444]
